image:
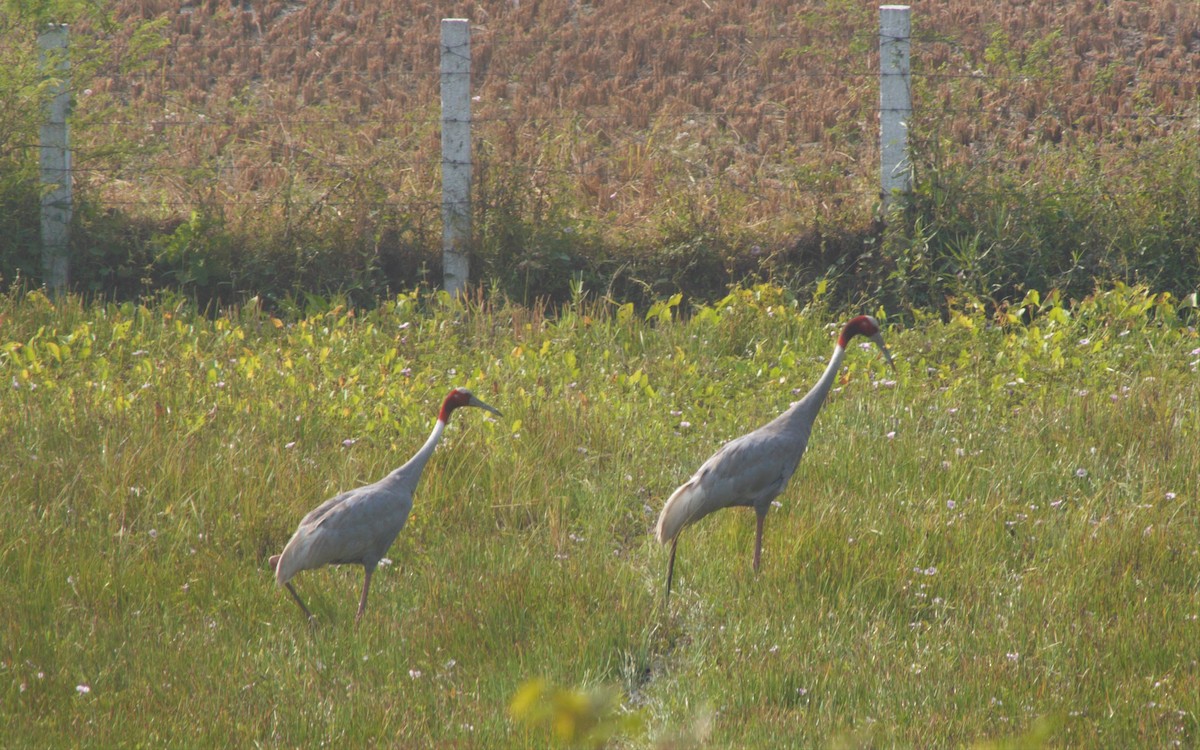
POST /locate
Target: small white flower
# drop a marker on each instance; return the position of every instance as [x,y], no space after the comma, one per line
[414,674]
[83,689]
[1170,495]
[1081,472]
[951,504]
[891,435]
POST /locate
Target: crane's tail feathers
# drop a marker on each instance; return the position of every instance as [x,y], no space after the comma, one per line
[683,507]
[282,574]
[291,561]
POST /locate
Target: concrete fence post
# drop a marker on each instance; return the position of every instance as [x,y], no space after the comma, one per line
[456,154]
[895,101]
[55,160]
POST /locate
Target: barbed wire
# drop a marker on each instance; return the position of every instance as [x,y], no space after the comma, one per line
[433,207]
[386,75]
[1053,112]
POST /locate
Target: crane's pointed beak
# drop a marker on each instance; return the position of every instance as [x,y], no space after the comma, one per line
[476,402]
[878,339]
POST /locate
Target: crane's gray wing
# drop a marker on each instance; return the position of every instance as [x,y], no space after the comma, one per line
[747,471]
[317,514]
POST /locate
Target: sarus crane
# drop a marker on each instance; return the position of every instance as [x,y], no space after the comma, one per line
[357,527]
[751,470]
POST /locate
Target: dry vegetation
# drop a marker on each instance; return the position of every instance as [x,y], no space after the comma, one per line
[755,119]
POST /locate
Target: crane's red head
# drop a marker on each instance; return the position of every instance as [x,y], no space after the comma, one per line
[461,397]
[865,325]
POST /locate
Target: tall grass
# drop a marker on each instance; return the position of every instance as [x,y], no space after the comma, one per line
[1002,530]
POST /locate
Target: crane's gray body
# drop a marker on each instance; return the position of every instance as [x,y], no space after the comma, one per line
[356,527]
[750,470]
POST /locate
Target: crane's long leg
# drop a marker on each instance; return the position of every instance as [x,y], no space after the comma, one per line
[311,620]
[274,563]
[762,516]
[670,569]
[362,603]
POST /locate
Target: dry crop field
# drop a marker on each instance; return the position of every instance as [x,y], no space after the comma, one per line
[757,117]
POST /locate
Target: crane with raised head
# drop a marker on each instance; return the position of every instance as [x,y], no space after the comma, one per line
[358,526]
[751,470]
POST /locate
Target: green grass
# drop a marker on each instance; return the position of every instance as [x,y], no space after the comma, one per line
[1004,529]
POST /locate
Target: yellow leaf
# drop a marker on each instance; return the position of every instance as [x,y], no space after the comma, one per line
[527,698]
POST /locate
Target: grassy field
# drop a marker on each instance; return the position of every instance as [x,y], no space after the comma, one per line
[1003,530]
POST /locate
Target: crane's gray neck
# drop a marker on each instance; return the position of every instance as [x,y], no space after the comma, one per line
[421,457]
[812,401]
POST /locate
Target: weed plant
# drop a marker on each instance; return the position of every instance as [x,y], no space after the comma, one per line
[998,537]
